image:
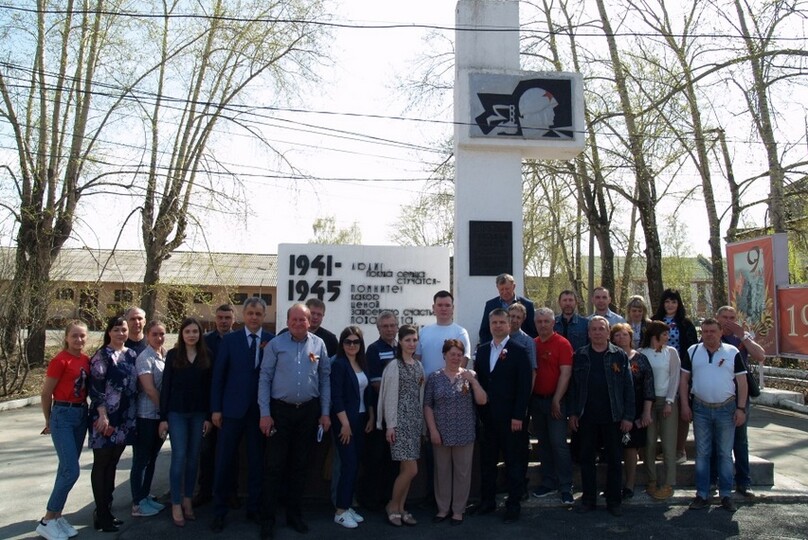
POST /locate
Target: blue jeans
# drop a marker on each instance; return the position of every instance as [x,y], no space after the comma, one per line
[144,457]
[740,451]
[348,461]
[68,426]
[554,453]
[185,430]
[714,426]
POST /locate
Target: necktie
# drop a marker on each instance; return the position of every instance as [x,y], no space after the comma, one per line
[254,348]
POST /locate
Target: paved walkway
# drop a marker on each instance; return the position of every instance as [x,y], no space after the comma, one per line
[27,466]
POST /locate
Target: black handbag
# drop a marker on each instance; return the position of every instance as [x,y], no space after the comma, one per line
[752,383]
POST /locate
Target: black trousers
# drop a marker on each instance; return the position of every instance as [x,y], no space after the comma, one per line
[497,438]
[591,435]
[287,455]
[102,477]
[377,473]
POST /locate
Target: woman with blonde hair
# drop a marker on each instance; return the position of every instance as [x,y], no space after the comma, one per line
[637,318]
[64,404]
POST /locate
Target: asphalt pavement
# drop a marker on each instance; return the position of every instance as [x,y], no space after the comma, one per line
[28,463]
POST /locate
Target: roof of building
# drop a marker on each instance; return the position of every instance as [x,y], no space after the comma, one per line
[182,267]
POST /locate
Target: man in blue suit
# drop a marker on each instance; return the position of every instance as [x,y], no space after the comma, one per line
[506,286]
[504,372]
[234,406]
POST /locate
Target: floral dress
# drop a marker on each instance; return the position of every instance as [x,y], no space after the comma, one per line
[643,377]
[113,384]
[407,445]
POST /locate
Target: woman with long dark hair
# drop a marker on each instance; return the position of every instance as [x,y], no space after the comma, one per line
[400,408]
[352,413]
[184,411]
[150,365]
[113,409]
[682,335]
[64,404]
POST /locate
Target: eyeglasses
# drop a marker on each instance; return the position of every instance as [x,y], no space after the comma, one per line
[356,342]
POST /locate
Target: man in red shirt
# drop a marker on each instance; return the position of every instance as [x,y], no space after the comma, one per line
[554,360]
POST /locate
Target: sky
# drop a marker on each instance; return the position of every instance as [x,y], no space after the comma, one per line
[365,173]
[366,69]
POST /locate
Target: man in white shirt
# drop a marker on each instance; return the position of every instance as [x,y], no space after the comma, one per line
[432,336]
[716,369]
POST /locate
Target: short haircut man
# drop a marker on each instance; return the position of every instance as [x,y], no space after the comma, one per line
[432,336]
[719,391]
[506,287]
[548,410]
[504,372]
[601,400]
[136,321]
[293,398]
[734,334]
[601,299]
[234,408]
[516,315]
[317,310]
[379,472]
[225,317]
[569,324]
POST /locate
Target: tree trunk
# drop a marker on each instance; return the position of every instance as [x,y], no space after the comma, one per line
[646,198]
[763,122]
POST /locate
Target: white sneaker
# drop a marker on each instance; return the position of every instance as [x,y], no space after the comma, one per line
[52,531]
[356,517]
[346,520]
[144,509]
[69,529]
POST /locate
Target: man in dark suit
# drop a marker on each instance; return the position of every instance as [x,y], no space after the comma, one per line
[234,406]
[504,372]
[506,286]
[225,317]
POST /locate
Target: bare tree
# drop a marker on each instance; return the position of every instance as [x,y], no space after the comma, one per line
[238,45]
[56,63]
[326,232]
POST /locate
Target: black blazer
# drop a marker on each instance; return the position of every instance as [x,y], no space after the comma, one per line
[235,378]
[345,391]
[528,326]
[508,386]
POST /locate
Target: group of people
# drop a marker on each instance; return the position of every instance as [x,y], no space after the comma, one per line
[614,386]
[138,393]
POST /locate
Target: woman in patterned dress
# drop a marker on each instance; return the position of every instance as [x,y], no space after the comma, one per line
[113,408]
[621,334]
[449,400]
[400,406]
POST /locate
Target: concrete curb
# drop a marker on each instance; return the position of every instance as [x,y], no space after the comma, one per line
[19,403]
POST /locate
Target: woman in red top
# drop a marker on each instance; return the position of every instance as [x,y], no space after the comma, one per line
[64,404]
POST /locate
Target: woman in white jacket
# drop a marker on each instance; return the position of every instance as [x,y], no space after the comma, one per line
[665,363]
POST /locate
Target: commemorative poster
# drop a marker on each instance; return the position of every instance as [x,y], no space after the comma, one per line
[756,267]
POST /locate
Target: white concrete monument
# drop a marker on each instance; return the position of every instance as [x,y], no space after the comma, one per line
[502,115]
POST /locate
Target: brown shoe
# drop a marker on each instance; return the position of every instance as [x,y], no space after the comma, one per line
[663,493]
[651,488]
